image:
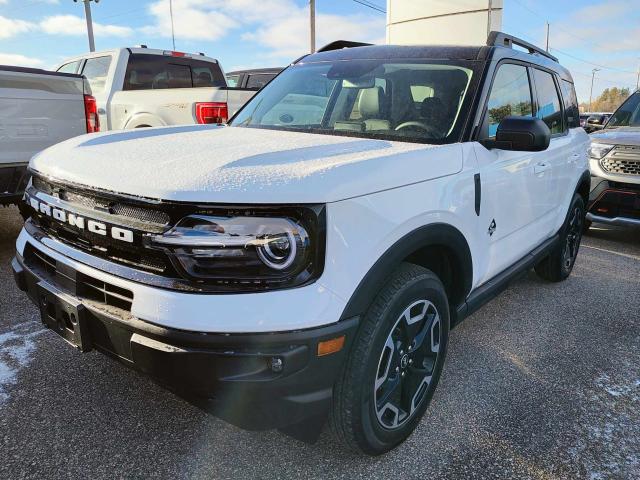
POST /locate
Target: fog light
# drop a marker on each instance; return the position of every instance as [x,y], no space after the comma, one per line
[276,364]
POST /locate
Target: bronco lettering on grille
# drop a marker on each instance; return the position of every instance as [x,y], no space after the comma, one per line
[80,222]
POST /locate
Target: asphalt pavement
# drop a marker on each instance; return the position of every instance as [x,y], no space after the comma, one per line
[543,382]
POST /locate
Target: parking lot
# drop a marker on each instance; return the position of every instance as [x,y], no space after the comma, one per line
[543,382]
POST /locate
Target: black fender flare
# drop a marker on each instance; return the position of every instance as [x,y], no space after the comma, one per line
[585,178]
[436,234]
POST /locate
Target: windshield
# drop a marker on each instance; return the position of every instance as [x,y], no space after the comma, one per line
[417,101]
[628,114]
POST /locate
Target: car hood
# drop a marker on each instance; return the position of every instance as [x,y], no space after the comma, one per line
[618,136]
[242,165]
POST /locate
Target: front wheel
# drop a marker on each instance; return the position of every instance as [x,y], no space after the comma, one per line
[395,363]
[558,265]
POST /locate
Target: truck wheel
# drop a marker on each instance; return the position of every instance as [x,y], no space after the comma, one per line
[395,363]
[559,264]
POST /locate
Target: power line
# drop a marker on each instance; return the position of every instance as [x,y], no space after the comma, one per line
[373,6]
[592,63]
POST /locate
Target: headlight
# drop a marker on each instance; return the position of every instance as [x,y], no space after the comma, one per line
[599,150]
[247,250]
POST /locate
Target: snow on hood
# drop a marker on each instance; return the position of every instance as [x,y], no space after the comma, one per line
[242,165]
[618,136]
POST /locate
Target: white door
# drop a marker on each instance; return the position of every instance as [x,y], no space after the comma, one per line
[516,213]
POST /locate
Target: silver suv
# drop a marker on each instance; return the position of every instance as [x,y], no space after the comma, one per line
[615,168]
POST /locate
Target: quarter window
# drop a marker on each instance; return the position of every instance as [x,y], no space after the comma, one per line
[96,70]
[510,96]
[571,111]
[71,67]
[549,110]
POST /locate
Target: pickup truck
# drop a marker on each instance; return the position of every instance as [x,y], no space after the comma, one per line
[38,108]
[144,87]
[308,262]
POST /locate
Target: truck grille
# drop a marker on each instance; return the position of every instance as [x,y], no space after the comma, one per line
[623,160]
[76,283]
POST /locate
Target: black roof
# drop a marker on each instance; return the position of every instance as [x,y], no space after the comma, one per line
[257,70]
[442,52]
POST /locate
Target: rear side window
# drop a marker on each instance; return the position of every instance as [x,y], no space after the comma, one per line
[152,72]
[549,110]
[96,70]
[571,112]
[71,67]
[510,96]
[258,80]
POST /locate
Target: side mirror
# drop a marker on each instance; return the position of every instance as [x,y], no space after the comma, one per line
[521,134]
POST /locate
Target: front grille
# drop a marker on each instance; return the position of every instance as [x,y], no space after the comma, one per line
[85,287]
[623,160]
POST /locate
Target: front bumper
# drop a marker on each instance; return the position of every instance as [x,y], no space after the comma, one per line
[230,374]
[614,203]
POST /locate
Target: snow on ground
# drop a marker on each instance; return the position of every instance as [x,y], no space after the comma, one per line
[16,350]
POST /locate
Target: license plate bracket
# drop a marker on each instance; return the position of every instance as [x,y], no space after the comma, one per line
[65,315]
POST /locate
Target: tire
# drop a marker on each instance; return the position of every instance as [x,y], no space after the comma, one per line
[557,266]
[361,418]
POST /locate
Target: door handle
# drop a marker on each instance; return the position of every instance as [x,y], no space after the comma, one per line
[541,168]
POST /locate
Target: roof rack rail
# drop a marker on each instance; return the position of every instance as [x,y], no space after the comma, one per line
[501,39]
[340,44]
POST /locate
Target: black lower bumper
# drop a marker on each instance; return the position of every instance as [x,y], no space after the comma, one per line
[614,203]
[255,381]
[13,180]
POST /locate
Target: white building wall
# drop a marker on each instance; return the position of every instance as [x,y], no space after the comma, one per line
[442,22]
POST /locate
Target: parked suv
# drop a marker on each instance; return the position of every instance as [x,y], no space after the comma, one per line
[309,260]
[615,168]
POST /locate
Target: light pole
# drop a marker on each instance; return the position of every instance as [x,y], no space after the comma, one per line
[312,24]
[593,76]
[173,35]
[87,15]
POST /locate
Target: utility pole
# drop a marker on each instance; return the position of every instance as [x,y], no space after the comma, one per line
[490,7]
[87,16]
[593,76]
[312,26]
[638,79]
[173,35]
[547,36]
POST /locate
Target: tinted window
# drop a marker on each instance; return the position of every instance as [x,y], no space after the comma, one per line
[96,70]
[147,72]
[510,96]
[232,80]
[570,104]
[368,98]
[628,115]
[71,67]
[549,110]
[259,80]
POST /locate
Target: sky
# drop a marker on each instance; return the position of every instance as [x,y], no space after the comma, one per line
[585,34]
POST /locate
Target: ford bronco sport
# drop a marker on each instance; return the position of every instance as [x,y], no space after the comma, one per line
[308,261]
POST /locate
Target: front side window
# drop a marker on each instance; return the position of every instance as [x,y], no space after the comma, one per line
[628,114]
[418,101]
[549,110]
[571,112]
[96,70]
[232,80]
[510,96]
[71,67]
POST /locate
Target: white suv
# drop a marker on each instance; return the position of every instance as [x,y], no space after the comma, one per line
[309,260]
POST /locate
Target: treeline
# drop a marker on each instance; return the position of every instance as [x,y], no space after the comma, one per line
[608,101]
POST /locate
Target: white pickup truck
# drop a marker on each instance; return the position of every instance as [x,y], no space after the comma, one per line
[144,87]
[38,108]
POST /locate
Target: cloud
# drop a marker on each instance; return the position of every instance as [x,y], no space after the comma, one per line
[75,25]
[279,25]
[192,21]
[10,27]
[20,60]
